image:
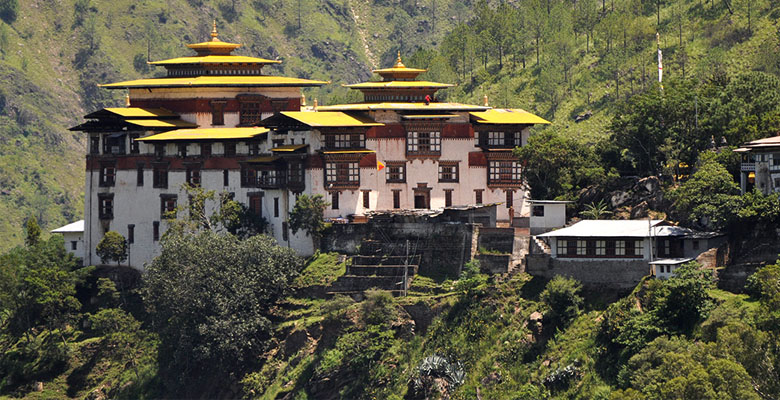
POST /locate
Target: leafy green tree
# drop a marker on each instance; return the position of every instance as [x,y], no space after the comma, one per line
[307,216]
[209,297]
[122,335]
[556,166]
[112,247]
[9,10]
[684,299]
[562,297]
[713,211]
[39,288]
[32,232]
[766,284]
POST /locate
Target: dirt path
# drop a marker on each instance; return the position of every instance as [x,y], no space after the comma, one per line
[370,55]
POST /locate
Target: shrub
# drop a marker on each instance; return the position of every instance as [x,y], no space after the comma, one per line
[378,308]
[561,295]
[113,247]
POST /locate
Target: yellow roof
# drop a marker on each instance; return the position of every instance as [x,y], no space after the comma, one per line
[403,107]
[156,123]
[398,69]
[507,116]
[398,85]
[330,119]
[206,134]
[289,148]
[215,60]
[264,159]
[348,152]
[218,81]
[136,112]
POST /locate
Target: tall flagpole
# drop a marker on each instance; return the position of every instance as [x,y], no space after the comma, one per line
[660,58]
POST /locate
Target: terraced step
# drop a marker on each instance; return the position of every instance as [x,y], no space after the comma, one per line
[354,283]
[385,260]
[381,270]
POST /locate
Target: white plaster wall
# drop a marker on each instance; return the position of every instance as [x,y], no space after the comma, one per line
[141,206]
[554,216]
[77,237]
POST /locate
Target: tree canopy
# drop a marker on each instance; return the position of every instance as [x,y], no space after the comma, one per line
[208,296]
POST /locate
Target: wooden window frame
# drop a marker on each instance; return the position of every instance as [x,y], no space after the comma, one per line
[451,175]
[396,172]
[105,206]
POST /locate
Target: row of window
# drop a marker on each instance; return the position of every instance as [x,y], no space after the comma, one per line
[600,248]
[336,174]
[220,72]
[498,139]
[334,198]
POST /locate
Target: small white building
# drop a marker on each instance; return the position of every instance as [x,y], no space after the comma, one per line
[618,252]
[74,238]
[547,215]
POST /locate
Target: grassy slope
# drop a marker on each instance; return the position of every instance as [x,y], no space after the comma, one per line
[488,334]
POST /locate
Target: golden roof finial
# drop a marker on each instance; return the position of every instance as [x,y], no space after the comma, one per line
[303,100]
[398,63]
[127,100]
[486,101]
[315,104]
[214,33]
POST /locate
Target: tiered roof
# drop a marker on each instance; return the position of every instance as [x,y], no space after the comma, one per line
[214,65]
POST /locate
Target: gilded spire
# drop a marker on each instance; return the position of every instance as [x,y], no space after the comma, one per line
[486,101]
[303,100]
[398,63]
[214,33]
[127,100]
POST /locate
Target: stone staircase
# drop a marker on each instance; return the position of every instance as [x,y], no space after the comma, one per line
[377,267]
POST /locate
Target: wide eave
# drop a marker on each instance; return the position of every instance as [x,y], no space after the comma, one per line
[214,60]
[399,85]
[206,134]
[403,107]
[216,81]
[507,116]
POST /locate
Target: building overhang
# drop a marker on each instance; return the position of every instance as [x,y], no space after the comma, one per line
[207,134]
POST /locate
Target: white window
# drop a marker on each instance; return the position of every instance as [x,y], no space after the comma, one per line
[423,142]
[582,247]
[620,247]
[496,138]
[601,247]
[563,247]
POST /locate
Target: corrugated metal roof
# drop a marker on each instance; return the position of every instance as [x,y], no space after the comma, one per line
[671,261]
[289,148]
[206,134]
[156,123]
[606,228]
[215,60]
[77,226]
[398,85]
[215,81]
[507,116]
[348,151]
[330,119]
[137,112]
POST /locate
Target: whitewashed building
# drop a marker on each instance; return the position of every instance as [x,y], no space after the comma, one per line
[73,235]
[217,122]
[760,166]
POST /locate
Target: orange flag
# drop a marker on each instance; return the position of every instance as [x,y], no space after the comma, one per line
[379,165]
